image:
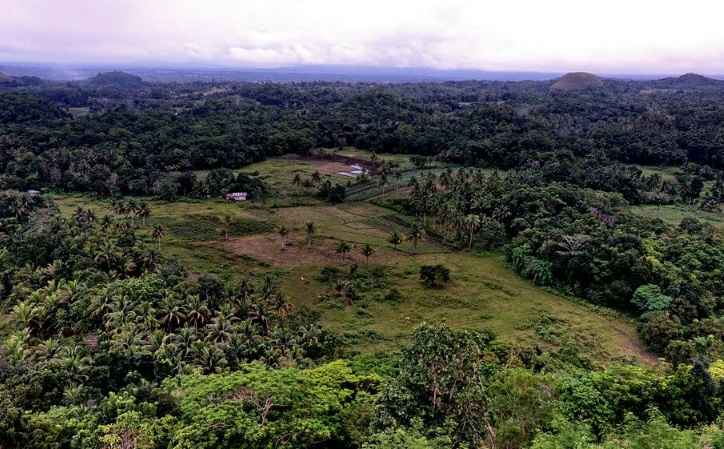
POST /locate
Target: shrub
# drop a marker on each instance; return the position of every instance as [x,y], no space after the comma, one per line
[434,275]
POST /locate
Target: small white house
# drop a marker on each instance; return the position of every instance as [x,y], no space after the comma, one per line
[236,196]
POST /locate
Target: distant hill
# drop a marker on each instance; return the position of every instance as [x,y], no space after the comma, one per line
[4,78]
[689,80]
[115,78]
[577,80]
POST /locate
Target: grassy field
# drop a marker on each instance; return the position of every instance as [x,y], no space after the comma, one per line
[665,172]
[673,214]
[482,294]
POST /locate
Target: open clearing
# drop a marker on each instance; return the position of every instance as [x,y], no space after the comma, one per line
[483,294]
[674,213]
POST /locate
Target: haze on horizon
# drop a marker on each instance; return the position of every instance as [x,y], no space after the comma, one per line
[557,36]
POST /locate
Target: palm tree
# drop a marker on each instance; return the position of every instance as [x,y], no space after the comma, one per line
[130,209]
[472,222]
[311,229]
[227,219]
[220,330]
[280,305]
[90,216]
[283,340]
[260,315]
[211,359]
[367,251]
[79,214]
[248,333]
[171,312]
[395,239]
[416,233]
[24,313]
[118,207]
[106,254]
[144,211]
[297,181]
[101,304]
[383,182]
[343,248]
[126,265]
[242,293]
[316,177]
[398,178]
[197,311]
[106,222]
[157,234]
[184,338]
[267,288]
[283,231]
[48,350]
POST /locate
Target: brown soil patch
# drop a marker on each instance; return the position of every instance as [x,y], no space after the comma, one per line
[296,254]
[344,160]
[332,168]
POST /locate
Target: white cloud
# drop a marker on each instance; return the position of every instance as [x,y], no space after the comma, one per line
[620,36]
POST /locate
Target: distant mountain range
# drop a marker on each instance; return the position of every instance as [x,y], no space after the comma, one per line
[286,74]
[183,73]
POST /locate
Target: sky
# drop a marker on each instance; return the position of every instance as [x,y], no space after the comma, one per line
[604,37]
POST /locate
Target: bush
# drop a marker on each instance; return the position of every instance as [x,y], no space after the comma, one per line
[434,275]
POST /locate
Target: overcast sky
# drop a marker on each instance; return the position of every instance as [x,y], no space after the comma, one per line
[610,36]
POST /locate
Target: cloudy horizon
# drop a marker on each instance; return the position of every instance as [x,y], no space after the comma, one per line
[557,36]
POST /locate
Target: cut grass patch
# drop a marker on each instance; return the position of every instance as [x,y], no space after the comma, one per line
[673,214]
[198,227]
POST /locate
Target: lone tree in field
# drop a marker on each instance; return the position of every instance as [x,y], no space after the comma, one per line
[297,181]
[311,229]
[343,248]
[316,177]
[144,212]
[367,251]
[158,235]
[395,239]
[227,219]
[416,234]
[282,230]
[472,222]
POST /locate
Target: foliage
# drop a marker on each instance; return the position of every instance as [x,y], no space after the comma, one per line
[434,275]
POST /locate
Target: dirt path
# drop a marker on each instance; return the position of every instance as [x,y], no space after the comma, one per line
[640,348]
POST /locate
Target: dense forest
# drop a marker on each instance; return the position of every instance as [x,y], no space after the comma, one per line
[139,136]
[106,343]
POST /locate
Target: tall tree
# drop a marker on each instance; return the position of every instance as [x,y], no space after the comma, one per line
[297,181]
[226,219]
[311,229]
[367,251]
[472,222]
[343,248]
[157,234]
[395,238]
[144,212]
[416,233]
[283,231]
